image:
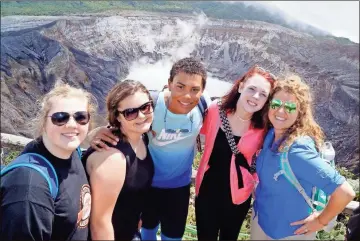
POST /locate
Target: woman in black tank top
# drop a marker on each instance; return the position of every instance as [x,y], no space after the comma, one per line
[120,176]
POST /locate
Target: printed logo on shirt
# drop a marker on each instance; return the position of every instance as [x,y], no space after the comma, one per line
[164,138]
[85,206]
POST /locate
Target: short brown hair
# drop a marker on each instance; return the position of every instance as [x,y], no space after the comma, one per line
[189,66]
[118,93]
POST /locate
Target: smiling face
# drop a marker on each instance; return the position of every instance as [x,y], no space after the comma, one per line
[64,139]
[186,90]
[254,93]
[280,117]
[142,123]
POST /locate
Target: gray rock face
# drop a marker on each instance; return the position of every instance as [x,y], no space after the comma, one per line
[96,52]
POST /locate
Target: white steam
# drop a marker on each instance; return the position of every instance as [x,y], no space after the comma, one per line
[173,42]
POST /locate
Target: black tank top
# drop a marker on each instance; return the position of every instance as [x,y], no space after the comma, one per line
[131,199]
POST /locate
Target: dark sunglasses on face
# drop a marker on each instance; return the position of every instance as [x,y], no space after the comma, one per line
[61,118]
[133,113]
[289,107]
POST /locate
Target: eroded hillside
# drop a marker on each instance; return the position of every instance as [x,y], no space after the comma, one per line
[95,52]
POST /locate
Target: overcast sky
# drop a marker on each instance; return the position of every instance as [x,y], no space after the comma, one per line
[339,18]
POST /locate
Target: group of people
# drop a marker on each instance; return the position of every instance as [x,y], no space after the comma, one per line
[136,176]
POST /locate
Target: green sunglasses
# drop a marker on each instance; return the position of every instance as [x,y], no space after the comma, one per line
[289,107]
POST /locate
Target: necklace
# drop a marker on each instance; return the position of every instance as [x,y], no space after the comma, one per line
[241,119]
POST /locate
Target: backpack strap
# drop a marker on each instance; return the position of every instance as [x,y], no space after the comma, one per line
[286,170]
[79,152]
[202,105]
[41,165]
[154,94]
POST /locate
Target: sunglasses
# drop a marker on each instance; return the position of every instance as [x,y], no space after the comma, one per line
[133,113]
[61,118]
[172,131]
[180,130]
[263,71]
[289,107]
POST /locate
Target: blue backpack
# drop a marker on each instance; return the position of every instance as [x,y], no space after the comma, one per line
[41,165]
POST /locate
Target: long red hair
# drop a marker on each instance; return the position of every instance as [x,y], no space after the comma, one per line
[229,101]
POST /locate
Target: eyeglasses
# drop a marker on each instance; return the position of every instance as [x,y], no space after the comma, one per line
[132,113]
[61,118]
[289,107]
[181,130]
[265,72]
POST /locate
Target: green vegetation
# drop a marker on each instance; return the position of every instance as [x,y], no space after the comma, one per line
[338,233]
[213,9]
[7,158]
[53,8]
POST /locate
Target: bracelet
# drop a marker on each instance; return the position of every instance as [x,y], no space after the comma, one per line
[318,218]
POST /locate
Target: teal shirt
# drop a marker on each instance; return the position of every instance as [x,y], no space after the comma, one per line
[173,153]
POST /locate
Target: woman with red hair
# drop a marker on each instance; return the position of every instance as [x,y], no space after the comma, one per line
[234,130]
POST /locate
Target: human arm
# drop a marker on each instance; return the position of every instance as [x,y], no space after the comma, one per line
[309,167]
[338,201]
[107,171]
[98,136]
[27,211]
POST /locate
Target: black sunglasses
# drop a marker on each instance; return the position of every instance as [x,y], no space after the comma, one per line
[133,113]
[61,118]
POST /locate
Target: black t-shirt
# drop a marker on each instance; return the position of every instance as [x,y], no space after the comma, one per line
[28,212]
[132,197]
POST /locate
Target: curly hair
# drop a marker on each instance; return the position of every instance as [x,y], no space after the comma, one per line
[189,66]
[305,125]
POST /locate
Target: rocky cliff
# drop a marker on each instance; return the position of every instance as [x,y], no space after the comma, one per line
[95,52]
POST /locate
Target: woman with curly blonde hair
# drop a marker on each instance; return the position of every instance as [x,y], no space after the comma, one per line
[280,211]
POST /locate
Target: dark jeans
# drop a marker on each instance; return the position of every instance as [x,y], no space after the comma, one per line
[168,206]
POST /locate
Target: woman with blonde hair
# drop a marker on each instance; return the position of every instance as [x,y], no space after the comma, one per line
[45,191]
[280,211]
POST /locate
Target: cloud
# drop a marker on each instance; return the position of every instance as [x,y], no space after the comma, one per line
[339,18]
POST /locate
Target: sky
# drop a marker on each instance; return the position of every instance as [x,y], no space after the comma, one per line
[339,18]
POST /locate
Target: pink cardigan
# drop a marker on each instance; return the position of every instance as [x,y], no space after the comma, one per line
[248,145]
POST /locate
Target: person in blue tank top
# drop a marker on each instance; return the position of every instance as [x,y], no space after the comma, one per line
[172,141]
[280,210]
